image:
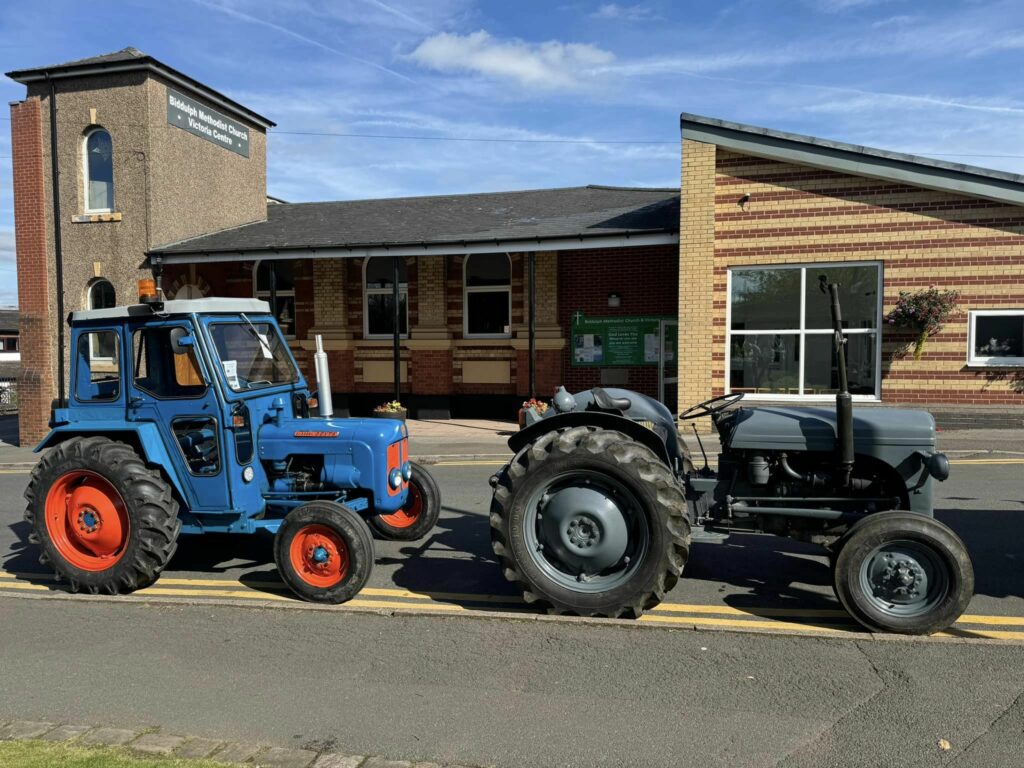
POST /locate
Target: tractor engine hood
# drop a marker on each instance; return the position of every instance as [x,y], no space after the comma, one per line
[331,436]
[814,429]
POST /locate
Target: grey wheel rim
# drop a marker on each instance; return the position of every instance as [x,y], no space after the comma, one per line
[586,531]
[904,579]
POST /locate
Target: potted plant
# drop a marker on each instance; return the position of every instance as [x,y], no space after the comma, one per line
[390,410]
[538,406]
[923,312]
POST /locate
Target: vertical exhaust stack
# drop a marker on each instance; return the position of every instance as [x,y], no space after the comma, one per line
[844,401]
[323,379]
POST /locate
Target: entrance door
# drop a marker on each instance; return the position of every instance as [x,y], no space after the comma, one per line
[668,367]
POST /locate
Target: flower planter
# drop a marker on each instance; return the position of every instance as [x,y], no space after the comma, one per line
[398,415]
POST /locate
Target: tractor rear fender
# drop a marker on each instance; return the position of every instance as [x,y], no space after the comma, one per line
[598,419]
[142,436]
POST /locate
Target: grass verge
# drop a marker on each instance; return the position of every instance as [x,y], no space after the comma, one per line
[44,754]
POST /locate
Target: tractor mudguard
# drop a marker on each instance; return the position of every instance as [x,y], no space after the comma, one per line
[598,419]
[143,435]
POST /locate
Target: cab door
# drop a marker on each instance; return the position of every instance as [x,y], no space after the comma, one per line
[170,388]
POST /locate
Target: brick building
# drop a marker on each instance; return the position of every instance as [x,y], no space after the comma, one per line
[765,212]
[153,167]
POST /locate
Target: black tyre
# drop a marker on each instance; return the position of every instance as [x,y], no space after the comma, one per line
[324,552]
[104,520]
[419,515]
[903,572]
[590,522]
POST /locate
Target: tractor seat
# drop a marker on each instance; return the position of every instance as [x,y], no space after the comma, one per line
[606,402]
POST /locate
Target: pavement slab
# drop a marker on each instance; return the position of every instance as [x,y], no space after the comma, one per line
[198,749]
[157,743]
[277,757]
[236,752]
[24,729]
[331,760]
[380,762]
[66,732]
[109,737]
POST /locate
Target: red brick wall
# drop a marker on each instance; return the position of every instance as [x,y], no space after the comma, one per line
[647,280]
[37,382]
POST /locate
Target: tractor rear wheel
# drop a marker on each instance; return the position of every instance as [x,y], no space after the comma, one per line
[105,521]
[903,572]
[590,522]
[419,515]
[324,552]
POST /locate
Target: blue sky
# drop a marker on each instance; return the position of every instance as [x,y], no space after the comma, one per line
[565,80]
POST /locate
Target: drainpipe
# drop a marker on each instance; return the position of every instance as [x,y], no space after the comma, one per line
[532,321]
[397,331]
[57,249]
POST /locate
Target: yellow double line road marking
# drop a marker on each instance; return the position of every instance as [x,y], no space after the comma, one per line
[834,621]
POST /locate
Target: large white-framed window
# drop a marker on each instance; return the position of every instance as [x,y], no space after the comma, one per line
[995,337]
[101,295]
[779,339]
[98,170]
[379,298]
[487,296]
[284,280]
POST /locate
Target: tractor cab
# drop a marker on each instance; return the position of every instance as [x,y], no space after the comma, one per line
[208,397]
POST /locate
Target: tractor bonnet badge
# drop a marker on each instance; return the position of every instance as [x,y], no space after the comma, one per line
[315,433]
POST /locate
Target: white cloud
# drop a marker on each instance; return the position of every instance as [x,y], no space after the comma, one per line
[614,11]
[552,64]
[838,6]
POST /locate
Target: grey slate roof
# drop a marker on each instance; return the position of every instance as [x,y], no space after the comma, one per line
[571,212]
[9,320]
[131,59]
[855,159]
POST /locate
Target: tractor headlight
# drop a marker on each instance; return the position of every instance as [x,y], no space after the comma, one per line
[938,466]
[407,471]
[395,478]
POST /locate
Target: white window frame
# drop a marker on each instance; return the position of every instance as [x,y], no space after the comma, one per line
[802,332]
[466,290]
[88,303]
[265,295]
[989,362]
[403,291]
[85,170]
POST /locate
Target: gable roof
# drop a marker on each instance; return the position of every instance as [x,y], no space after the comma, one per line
[133,60]
[9,320]
[493,220]
[855,159]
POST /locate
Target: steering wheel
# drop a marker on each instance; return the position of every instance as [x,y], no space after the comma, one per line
[712,406]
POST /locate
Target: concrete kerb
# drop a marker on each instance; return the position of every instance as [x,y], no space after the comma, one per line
[152,741]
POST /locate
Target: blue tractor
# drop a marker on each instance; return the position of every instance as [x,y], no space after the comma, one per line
[191,417]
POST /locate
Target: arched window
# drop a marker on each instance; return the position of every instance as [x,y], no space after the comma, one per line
[101,296]
[284,282]
[378,298]
[487,303]
[98,170]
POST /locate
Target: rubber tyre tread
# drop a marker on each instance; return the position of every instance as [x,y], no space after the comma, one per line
[874,530]
[152,513]
[651,481]
[358,539]
[431,495]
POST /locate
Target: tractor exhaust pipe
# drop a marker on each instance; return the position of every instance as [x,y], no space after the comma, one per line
[323,379]
[844,401]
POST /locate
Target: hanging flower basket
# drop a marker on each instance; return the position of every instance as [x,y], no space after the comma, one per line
[923,312]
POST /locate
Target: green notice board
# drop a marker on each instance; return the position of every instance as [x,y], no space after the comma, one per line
[606,341]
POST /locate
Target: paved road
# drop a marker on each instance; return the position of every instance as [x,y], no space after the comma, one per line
[525,693]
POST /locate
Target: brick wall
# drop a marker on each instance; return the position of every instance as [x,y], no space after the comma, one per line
[647,280]
[37,380]
[798,214]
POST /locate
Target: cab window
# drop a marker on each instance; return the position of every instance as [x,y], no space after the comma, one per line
[98,379]
[253,355]
[163,366]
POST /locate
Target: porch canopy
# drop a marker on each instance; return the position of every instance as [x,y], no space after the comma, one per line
[571,218]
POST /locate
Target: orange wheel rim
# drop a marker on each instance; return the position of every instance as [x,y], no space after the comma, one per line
[408,514]
[319,556]
[87,520]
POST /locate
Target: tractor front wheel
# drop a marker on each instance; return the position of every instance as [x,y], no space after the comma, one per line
[105,521]
[419,515]
[903,572]
[324,552]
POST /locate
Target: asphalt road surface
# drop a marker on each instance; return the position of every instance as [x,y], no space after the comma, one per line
[478,687]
